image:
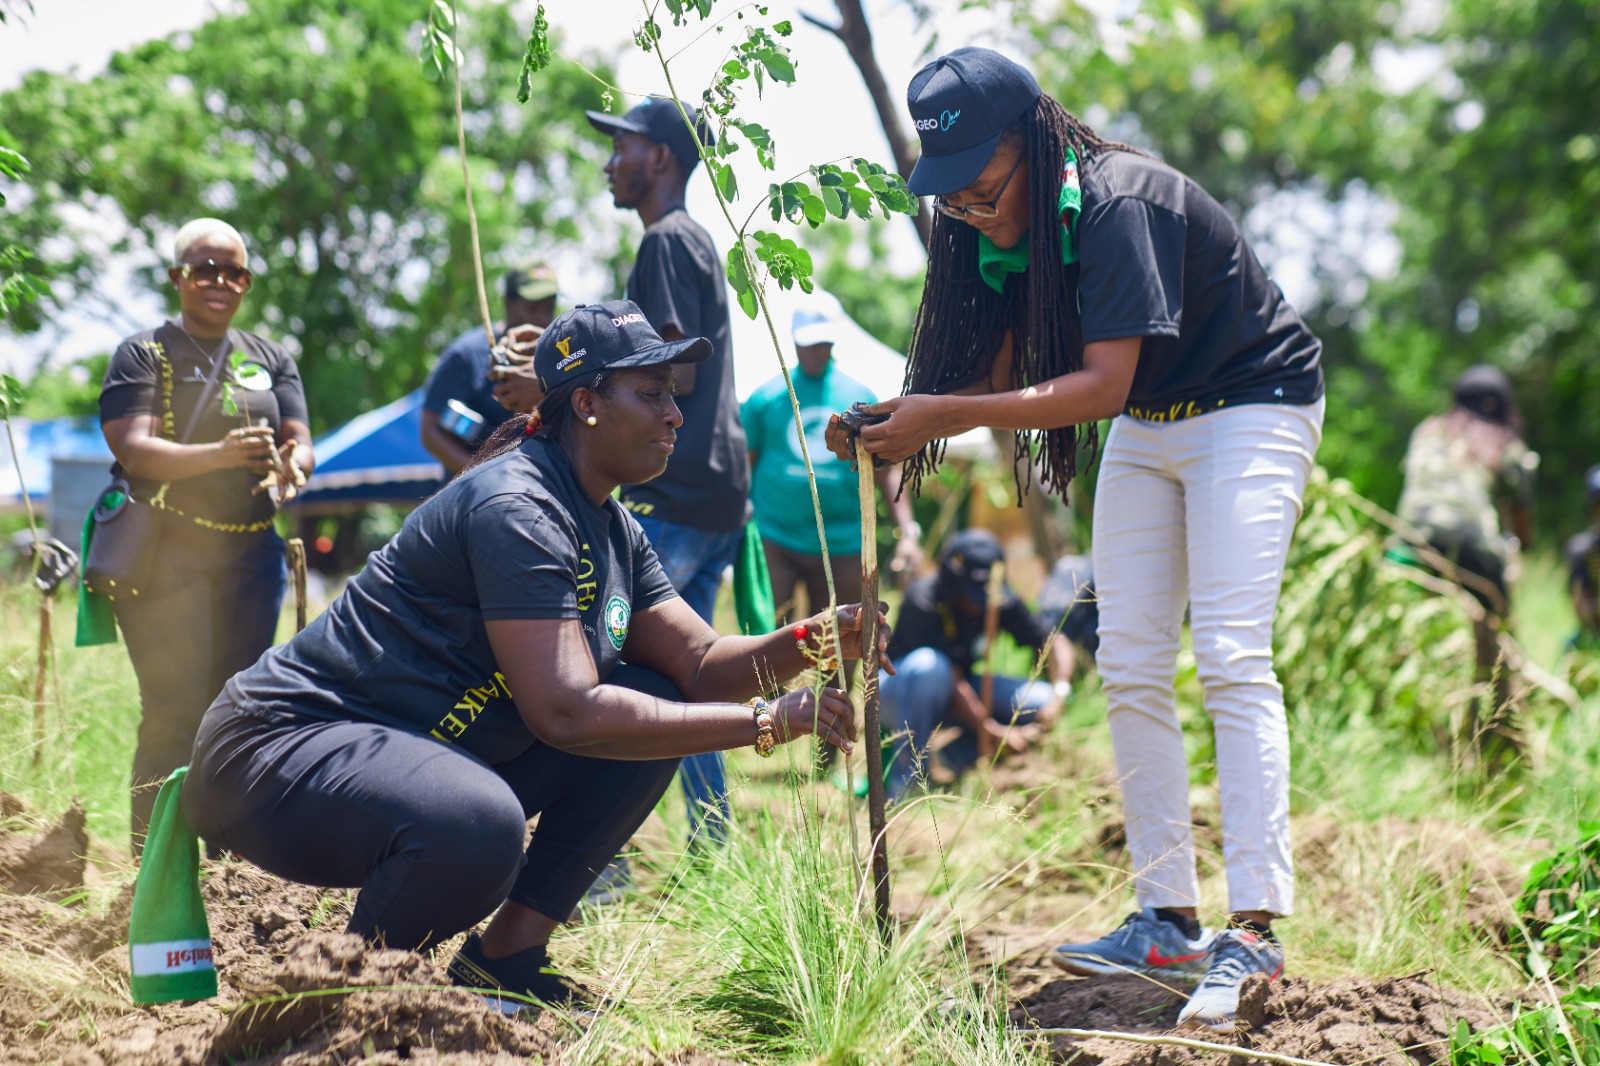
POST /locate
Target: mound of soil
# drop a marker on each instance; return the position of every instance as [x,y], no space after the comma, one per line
[1400,1021]
[47,863]
[335,1000]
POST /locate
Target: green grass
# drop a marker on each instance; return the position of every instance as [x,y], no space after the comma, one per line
[767,954]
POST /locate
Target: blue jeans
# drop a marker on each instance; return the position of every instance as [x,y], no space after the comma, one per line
[694,560]
[916,701]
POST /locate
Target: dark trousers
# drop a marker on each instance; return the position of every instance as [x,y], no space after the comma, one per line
[210,611]
[791,570]
[432,836]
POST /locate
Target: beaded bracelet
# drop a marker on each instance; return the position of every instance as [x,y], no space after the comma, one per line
[766,737]
[821,656]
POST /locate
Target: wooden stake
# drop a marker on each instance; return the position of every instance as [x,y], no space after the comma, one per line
[993,593]
[297,572]
[872,722]
[46,601]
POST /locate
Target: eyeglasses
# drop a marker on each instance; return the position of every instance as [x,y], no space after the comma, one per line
[212,274]
[987,209]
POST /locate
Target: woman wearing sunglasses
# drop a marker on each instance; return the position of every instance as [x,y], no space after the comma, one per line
[217,415]
[1072,280]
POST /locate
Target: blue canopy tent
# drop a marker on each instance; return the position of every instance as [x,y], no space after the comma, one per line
[377,457]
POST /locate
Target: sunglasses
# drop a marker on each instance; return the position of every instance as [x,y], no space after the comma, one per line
[986,209]
[212,274]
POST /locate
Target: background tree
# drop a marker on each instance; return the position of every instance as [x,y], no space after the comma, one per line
[319,133]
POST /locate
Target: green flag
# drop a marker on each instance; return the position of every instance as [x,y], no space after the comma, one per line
[169,939]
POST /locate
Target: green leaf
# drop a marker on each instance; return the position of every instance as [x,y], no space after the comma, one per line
[12,163]
[727,181]
[861,202]
[834,201]
[876,183]
[779,66]
[815,210]
[738,273]
[782,29]
[747,303]
[11,393]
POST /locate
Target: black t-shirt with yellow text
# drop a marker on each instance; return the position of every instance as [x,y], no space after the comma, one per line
[258,381]
[405,644]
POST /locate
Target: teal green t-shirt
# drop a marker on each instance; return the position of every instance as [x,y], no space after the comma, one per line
[778,476]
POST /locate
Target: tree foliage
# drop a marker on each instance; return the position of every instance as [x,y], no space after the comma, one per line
[1487,165]
[317,131]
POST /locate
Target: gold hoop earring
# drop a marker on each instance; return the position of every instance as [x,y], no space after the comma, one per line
[592,420]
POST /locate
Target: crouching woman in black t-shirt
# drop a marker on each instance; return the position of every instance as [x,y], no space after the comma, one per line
[473,674]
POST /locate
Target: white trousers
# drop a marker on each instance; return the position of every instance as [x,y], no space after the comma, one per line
[1201,512]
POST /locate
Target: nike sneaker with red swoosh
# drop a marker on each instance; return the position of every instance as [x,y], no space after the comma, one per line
[1144,944]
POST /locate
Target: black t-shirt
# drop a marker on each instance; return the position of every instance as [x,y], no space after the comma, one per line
[405,644]
[1068,600]
[678,281]
[1583,561]
[262,383]
[462,374]
[1160,259]
[927,620]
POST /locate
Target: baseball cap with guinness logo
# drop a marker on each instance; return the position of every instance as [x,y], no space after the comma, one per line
[593,338]
[960,104]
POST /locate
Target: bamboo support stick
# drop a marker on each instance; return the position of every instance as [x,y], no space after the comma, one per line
[872,722]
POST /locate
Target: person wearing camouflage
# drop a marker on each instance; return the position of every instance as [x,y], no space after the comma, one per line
[1468,475]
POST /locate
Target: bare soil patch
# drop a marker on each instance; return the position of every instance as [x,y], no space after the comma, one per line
[296,990]
[1399,1021]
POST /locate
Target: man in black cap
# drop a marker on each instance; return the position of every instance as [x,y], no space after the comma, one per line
[937,643]
[695,513]
[462,402]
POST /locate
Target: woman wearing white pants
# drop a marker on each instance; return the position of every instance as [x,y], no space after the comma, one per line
[1136,298]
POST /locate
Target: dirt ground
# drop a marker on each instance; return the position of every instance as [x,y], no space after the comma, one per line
[64,981]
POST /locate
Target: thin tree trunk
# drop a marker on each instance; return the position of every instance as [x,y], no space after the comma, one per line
[856,36]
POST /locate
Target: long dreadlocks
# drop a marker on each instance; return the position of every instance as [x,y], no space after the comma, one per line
[963,322]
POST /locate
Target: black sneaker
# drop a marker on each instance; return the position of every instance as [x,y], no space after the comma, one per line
[526,975]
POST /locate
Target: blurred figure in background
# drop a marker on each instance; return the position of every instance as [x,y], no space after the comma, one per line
[463,401]
[778,488]
[1067,605]
[1468,477]
[211,606]
[937,644]
[1583,569]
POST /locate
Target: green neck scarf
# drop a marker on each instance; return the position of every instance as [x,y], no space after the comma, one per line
[995,263]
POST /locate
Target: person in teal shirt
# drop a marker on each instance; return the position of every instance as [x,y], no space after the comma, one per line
[778,489]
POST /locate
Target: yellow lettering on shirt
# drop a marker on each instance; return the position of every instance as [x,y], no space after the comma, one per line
[472,703]
[586,588]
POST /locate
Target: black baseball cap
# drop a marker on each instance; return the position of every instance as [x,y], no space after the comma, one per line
[659,120]
[967,559]
[1486,392]
[592,338]
[960,104]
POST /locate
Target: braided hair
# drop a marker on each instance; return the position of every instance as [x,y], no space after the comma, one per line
[962,322]
[552,419]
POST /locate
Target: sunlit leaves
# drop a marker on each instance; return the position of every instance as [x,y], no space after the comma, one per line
[536,57]
[437,51]
[841,193]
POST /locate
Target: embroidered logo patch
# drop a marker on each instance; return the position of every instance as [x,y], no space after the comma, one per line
[617,614]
